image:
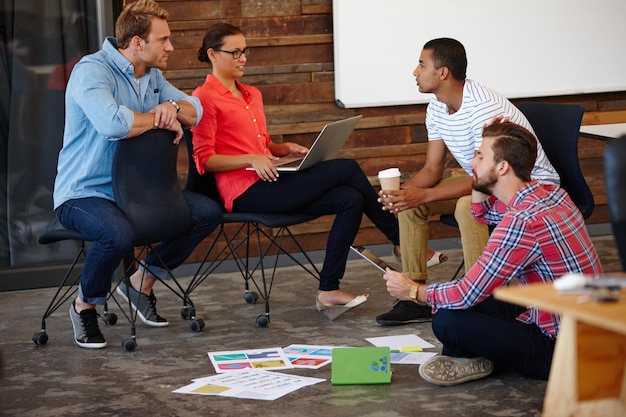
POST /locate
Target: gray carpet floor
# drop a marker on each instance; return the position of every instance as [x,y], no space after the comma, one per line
[61,379]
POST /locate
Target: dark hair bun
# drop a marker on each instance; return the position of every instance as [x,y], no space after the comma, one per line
[202,55]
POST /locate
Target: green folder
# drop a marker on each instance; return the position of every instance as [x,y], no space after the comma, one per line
[361,365]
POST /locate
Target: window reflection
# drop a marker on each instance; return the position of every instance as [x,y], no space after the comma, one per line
[40,41]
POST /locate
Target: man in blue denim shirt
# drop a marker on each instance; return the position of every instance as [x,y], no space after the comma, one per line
[116,94]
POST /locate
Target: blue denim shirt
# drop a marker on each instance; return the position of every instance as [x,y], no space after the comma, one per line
[99,101]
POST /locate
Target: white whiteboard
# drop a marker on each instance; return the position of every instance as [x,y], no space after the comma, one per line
[521,48]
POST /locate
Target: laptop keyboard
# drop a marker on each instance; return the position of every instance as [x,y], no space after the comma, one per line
[286,163]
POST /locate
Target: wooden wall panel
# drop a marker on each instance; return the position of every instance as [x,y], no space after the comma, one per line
[292,64]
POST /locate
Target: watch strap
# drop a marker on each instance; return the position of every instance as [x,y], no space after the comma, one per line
[175,104]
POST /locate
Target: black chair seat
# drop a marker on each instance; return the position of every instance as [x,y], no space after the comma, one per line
[449,220]
[59,235]
[268,220]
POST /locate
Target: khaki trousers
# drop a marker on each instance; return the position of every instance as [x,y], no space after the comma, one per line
[414,232]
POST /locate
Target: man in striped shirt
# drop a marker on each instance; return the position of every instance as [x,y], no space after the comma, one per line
[540,236]
[455,118]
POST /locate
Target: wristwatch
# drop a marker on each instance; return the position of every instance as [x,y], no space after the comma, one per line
[175,104]
[413,293]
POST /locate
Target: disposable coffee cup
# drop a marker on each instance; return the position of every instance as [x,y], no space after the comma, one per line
[389,179]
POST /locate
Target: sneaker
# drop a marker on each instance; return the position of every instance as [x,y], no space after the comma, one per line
[405,312]
[86,331]
[447,371]
[144,305]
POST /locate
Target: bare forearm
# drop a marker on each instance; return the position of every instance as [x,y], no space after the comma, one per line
[278,149]
[456,189]
[142,123]
[425,178]
[449,191]
[224,163]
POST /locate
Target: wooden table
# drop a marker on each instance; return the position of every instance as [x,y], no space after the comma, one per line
[587,376]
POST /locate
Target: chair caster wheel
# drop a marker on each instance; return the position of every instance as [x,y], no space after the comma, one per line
[110,319]
[40,338]
[129,344]
[196,325]
[262,321]
[250,297]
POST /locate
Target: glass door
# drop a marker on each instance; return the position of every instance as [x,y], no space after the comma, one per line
[40,41]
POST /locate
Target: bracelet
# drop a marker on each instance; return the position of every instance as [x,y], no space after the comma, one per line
[414,292]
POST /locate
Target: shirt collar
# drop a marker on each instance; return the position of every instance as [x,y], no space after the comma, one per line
[527,189]
[125,66]
[221,88]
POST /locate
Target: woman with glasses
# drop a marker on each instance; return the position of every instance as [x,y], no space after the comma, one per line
[232,136]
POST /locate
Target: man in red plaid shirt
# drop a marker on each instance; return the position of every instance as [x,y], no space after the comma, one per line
[539,236]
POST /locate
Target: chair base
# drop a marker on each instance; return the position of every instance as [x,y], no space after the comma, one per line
[239,247]
[67,290]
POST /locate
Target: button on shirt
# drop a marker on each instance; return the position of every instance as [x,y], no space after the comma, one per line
[99,101]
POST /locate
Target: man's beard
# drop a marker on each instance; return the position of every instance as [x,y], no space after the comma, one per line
[486,183]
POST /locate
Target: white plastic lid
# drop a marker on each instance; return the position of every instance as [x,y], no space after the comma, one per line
[389,173]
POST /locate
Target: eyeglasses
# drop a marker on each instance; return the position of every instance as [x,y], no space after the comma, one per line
[236,54]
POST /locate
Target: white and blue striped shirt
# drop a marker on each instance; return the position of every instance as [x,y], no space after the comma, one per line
[462,131]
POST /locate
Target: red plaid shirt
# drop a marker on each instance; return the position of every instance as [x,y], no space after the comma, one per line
[539,237]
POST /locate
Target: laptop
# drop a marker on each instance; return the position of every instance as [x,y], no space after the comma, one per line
[361,365]
[326,146]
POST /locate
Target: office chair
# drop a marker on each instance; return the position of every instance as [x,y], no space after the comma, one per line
[154,203]
[146,188]
[557,128]
[250,226]
[614,177]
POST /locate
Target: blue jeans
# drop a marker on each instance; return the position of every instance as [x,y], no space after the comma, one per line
[339,187]
[490,330]
[102,222]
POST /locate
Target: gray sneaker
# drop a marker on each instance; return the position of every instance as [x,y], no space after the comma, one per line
[447,371]
[86,331]
[144,305]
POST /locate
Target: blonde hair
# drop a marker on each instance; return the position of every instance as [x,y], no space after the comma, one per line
[136,19]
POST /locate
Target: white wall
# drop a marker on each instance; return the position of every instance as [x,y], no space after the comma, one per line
[521,48]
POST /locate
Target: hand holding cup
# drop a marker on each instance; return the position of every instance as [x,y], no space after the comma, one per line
[389,179]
